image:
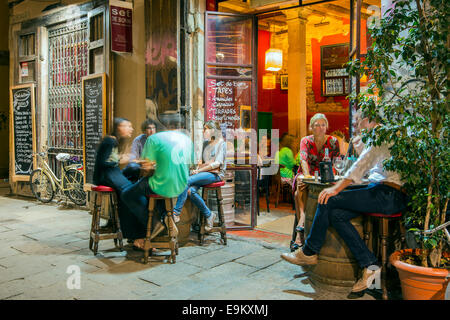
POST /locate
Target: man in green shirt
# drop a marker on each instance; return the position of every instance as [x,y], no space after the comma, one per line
[172,152]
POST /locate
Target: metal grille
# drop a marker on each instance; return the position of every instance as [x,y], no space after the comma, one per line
[68,63]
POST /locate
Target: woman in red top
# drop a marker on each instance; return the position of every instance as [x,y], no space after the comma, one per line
[312,152]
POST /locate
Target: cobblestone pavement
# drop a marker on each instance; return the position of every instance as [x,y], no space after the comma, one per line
[40,243]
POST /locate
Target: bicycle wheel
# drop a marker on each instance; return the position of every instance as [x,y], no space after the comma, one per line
[73,185]
[41,186]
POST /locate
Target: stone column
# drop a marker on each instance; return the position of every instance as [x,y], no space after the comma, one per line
[296,20]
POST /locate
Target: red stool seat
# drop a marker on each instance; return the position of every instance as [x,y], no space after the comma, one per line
[156,196]
[102,189]
[381,215]
[215,184]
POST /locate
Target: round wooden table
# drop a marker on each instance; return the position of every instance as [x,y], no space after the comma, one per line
[336,265]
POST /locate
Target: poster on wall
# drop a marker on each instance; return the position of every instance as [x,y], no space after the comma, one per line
[23,131]
[121,13]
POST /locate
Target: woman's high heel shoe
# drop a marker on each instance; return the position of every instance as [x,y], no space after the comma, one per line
[294,246]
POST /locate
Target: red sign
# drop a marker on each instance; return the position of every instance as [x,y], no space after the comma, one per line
[121,28]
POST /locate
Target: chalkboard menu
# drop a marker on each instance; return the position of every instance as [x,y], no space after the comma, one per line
[22,131]
[94,116]
[225,99]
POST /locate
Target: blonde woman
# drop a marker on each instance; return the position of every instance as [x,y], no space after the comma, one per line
[312,152]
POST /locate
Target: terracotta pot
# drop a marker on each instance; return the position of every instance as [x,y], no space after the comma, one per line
[420,283]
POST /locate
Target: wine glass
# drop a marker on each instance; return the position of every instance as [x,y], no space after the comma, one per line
[338,165]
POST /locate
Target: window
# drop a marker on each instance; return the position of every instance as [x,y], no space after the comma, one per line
[335,79]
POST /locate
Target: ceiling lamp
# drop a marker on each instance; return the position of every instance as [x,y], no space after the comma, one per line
[274,59]
[269,81]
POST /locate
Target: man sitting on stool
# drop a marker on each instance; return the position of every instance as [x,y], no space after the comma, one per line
[338,206]
[172,152]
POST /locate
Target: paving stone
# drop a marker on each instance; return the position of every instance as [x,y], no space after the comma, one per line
[213,258]
[185,253]
[7,251]
[165,274]
[260,259]
[12,288]
[22,270]
[280,271]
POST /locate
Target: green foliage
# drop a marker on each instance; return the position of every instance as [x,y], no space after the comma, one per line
[408,67]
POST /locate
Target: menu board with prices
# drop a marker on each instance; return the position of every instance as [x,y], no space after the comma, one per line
[94,116]
[22,131]
[225,98]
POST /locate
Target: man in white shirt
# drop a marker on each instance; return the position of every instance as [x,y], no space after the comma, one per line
[338,206]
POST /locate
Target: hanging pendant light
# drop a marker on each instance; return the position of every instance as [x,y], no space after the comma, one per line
[274,59]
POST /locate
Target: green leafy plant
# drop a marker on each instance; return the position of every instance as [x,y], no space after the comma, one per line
[407,67]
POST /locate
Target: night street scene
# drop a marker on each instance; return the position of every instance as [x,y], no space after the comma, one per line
[221,158]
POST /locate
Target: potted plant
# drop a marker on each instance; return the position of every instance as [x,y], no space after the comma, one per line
[407,65]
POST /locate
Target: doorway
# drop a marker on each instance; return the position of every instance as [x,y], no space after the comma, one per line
[320,36]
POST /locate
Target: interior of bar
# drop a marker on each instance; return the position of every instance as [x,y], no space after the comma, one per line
[268,71]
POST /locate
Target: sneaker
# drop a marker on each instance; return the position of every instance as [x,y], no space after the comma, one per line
[299,258]
[170,224]
[176,217]
[210,222]
[369,275]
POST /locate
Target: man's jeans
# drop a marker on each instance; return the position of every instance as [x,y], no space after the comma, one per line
[194,183]
[134,197]
[348,204]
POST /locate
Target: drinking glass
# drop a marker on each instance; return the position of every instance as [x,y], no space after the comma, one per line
[338,165]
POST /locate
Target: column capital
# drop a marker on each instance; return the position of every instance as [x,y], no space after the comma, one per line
[297,14]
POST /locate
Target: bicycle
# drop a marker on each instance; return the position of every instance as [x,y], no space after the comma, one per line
[45,184]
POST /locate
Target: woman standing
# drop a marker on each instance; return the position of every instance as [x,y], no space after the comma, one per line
[211,170]
[312,152]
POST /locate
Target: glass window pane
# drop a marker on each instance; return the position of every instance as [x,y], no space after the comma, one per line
[229,72]
[229,39]
[225,99]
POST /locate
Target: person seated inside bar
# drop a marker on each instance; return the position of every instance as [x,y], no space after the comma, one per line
[285,158]
[337,206]
[210,170]
[132,170]
[170,154]
[312,152]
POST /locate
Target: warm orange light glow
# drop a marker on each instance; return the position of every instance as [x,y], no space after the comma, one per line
[274,59]
[269,81]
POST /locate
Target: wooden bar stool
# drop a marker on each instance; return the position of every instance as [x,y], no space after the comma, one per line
[220,227]
[105,200]
[169,241]
[383,239]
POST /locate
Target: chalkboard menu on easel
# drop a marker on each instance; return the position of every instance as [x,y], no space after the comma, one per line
[23,128]
[94,120]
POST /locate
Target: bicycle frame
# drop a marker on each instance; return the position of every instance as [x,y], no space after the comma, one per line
[56,182]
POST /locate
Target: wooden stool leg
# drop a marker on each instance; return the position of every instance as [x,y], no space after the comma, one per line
[91,236]
[147,242]
[97,229]
[117,222]
[384,234]
[202,218]
[223,231]
[368,232]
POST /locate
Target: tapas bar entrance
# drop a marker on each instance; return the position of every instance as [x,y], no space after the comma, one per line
[230,97]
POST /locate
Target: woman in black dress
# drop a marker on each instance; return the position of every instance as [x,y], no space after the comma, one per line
[108,173]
